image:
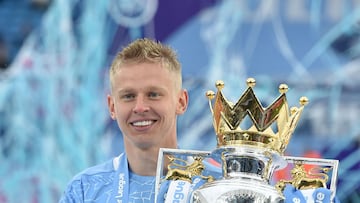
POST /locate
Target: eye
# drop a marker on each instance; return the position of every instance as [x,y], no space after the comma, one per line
[127,97]
[153,95]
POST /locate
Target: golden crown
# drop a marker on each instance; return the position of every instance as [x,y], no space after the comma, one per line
[227,119]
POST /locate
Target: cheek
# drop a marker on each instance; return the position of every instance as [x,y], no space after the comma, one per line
[120,111]
[121,118]
[171,111]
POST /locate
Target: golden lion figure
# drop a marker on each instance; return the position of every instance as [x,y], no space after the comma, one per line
[303,180]
[186,172]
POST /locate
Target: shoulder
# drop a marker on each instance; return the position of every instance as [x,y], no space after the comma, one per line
[101,169]
[98,177]
[99,172]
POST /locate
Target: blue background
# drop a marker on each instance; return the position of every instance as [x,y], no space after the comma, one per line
[53,115]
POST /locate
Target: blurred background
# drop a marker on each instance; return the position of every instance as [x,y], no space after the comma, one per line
[55,55]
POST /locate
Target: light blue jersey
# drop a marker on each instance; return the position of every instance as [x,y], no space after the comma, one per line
[108,183]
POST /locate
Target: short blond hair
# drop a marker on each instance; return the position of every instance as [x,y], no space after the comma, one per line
[145,50]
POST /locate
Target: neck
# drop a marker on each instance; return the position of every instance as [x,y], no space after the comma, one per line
[143,161]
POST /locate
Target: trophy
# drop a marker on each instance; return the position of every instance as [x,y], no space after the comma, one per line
[251,141]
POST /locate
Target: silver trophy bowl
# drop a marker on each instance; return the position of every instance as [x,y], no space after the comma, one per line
[246,176]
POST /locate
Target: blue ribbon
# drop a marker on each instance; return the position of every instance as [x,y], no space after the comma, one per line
[297,196]
[196,183]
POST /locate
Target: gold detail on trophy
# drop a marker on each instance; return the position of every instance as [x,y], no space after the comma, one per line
[186,172]
[228,117]
[316,178]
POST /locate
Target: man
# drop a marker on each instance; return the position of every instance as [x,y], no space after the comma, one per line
[146,98]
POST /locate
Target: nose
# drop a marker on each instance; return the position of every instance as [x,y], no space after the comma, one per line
[141,105]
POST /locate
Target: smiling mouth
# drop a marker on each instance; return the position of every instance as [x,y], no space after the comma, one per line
[143,123]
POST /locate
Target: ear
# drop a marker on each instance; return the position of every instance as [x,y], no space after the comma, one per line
[111,107]
[183,101]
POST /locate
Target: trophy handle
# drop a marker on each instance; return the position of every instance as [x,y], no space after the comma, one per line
[300,176]
[161,167]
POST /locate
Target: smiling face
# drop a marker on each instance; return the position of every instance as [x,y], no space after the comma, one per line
[146,99]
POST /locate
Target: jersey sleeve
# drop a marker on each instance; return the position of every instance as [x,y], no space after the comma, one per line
[73,193]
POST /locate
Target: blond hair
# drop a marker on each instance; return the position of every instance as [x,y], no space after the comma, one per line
[147,51]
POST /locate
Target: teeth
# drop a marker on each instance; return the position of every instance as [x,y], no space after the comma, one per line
[142,123]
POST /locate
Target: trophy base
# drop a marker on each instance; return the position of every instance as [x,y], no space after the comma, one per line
[237,190]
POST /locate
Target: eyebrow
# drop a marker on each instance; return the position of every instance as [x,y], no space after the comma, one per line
[151,88]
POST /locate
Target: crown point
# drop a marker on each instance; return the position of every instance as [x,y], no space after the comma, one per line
[303,101]
[293,110]
[219,84]
[210,94]
[283,88]
[251,82]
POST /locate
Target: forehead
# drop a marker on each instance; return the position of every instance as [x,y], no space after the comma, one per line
[144,74]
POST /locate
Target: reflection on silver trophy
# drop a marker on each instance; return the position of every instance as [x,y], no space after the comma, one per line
[251,141]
